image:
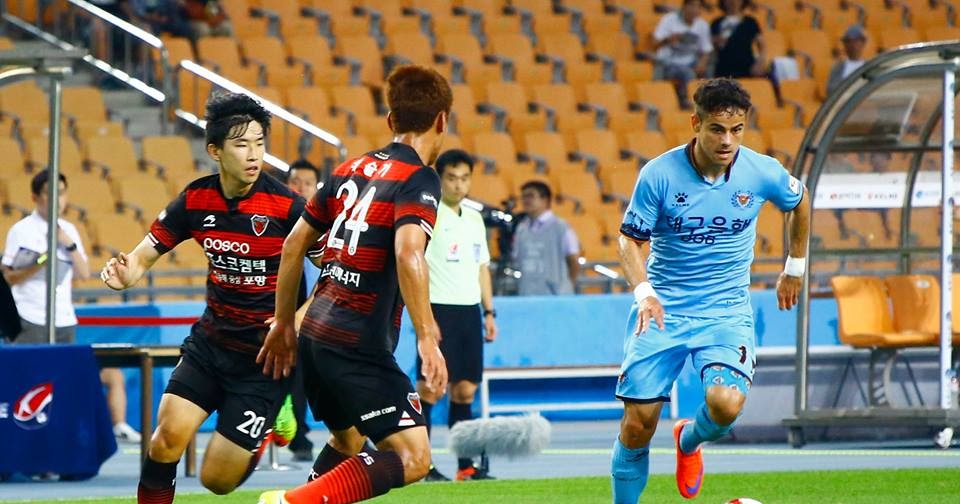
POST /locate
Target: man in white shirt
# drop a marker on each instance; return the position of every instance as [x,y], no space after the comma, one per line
[683,46]
[24,258]
[854,41]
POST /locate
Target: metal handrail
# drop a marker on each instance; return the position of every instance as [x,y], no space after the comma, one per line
[58,39]
[277,111]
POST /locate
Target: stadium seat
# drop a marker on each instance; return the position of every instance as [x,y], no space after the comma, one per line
[490,189]
[465,116]
[464,49]
[646,145]
[38,153]
[353,100]
[511,97]
[869,225]
[25,101]
[935,33]
[601,147]
[222,55]
[830,232]
[84,103]
[549,148]
[517,49]
[660,96]
[541,13]
[312,103]
[409,47]
[357,145]
[562,101]
[144,196]
[84,130]
[891,38]
[315,51]
[864,318]
[114,154]
[497,147]
[193,92]
[566,47]
[615,45]
[612,98]
[268,52]
[167,154]
[802,93]
[115,232]
[785,143]
[16,192]
[244,24]
[916,303]
[292,23]
[619,184]
[580,186]
[178,48]
[92,193]
[365,50]
[770,222]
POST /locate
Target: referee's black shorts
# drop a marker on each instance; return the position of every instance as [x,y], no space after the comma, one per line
[461,330]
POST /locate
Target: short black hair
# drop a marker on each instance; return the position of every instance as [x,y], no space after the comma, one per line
[453,157]
[721,95]
[39,180]
[228,115]
[540,187]
[303,164]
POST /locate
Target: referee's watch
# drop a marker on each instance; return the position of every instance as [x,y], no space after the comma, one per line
[490,312]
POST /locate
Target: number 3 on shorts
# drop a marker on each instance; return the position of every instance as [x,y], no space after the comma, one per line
[252,427]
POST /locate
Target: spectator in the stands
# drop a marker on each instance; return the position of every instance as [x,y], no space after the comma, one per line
[25,255]
[208,18]
[738,41]
[854,41]
[683,46]
[162,16]
[545,247]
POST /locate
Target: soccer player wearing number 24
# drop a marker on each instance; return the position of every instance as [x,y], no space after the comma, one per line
[379,211]
[240,217]
[696,206]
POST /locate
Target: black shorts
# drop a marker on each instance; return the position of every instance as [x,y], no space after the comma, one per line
[461,331]
[231,383]
[349,387]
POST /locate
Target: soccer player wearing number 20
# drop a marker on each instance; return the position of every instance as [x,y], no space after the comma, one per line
[696,208]
[240,217]
[379,211]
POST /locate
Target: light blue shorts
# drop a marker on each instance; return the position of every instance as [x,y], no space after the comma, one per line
[653,360]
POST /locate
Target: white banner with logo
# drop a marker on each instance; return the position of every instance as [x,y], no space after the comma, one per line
[874,190]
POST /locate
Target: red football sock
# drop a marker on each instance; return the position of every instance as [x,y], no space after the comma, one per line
[157,482]
[358,478]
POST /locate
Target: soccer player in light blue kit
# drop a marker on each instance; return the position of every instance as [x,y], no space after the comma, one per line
[697,207]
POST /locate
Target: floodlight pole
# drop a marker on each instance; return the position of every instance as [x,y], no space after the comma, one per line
[946,226]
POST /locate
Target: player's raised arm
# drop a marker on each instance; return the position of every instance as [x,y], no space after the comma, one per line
[125,270]
[798,233]
[414,279]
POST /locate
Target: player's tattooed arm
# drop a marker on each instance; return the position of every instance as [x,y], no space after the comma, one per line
[125,270]
[633,257]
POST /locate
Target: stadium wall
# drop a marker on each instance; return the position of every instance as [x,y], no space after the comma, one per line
[555,331]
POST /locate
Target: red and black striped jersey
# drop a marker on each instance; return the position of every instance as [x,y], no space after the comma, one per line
[362,204]
[242,238]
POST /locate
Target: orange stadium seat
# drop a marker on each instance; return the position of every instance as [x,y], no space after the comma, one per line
[542,14]
[92,193]
[501,23]
[934,33]
[891,38]
[803,93]
[465,116]
[915,300]
[602,145]
[869,225]
[512,98]
[561,99]
[355,100]
[496,146]
[785,143]
[657,95]
[612,44]
[465,48]
[167,154]
[16,192]
[315,51]
[115,154]
[146,195]
[84,130]
[582,187]
[442,26]
[620,184]
[612,96]
[115,232]
[357,145]
[490,189]
[222,55]
[548,147]
[244,25]
[864,318]
[25,101]
[268,52]
[646,145]
[291,22]
[566,47]
[38,153]
[485,8]
[410,47]
[830,230]
[365,50]
[518,50]
[84,103]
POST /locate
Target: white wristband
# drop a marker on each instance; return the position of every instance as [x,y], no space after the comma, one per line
[795,266]
[643,290]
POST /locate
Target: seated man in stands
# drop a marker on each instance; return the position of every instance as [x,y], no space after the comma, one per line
[24,263]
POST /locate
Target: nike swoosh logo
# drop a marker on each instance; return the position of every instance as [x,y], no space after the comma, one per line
[696,487]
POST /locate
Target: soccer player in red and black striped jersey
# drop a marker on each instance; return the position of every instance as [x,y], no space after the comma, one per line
[240,217]
[379,210]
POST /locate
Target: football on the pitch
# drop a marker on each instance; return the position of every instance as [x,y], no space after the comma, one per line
[743,500]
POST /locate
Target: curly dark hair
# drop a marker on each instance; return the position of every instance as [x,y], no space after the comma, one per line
[228,115]
[415,96]
[721,95]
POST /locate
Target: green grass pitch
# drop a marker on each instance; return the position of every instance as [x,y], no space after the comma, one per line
[929,486]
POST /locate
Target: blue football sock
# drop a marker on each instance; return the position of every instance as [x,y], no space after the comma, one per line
[630,469]
[702,429]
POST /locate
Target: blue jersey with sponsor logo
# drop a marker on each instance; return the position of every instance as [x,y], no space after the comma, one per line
[701,233]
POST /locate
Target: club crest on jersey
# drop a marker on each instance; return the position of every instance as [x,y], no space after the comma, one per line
[414,399]
[742,199]
[32,409]
[259,224]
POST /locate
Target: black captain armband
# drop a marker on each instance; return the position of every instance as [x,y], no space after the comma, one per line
[492,313]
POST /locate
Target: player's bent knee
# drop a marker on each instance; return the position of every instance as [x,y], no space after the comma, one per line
[217,484]
[416,463]
[166,445]
[725,404]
